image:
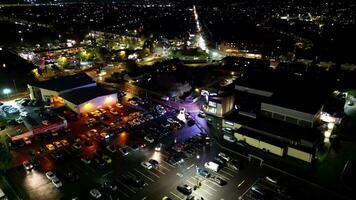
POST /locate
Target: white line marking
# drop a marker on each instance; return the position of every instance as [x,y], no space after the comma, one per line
[226,173]
[123,192]
[206,191]
[214,183]
[176,195]
[127,187]
[169,164]
[144,175]
[210,187]
[149,171]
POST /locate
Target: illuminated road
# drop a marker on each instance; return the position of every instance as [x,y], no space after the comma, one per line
[199,37]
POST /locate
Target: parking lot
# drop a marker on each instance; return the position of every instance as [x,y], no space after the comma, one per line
[139,149]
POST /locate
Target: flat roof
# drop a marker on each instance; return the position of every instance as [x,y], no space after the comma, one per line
[301,93]
[82,95]
[65,82]
[277,128]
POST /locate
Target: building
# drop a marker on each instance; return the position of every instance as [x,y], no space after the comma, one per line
[278,113]
[278,138]
[51,90]
[219,104]
[88,99]
[78,92]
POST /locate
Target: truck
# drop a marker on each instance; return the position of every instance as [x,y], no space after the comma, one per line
[212,166]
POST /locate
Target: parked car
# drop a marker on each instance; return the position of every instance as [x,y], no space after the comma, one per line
[124,151]
[203,172]
[185,189]
[154,163]
[218,180]
[106,158]
[50,147]
[110,185]
[56,182]
[146,165]
[76,145]
[95,193]
[86,160]
[229,138]
[27,165]
[50,175]
[236,164]
[149,139]
[224,156]
[111,148]
[64,142]
[57,144]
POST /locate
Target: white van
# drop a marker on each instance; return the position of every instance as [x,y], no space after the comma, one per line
[229,138]
[212,166]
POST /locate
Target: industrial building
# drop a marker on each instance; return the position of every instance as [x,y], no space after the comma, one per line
[78,92]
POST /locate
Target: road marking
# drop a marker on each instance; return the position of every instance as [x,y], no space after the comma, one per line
[123,193]
[151,173]
[222,176]
[214,183]
[206,191]
[160,171]
[110,172]
[231,170]
[188,168]
[169,164]
[210,187]
[190,183]
[176,196]
[144,175]
[243,194]
[127,187]
[226,173]
[165,168]
[239,185]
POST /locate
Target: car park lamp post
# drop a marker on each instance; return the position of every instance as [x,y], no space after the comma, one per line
[6,91]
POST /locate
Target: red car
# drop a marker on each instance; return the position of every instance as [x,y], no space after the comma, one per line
[87,141]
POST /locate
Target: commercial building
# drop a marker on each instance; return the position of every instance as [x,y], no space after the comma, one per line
[278,138]
[278,113]
[78,92]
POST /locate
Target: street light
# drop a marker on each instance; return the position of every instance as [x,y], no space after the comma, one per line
[6,91]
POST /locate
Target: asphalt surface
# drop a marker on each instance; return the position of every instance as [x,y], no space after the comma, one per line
[158,182]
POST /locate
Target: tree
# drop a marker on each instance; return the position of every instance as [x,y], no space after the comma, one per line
[62,62]
[5,158]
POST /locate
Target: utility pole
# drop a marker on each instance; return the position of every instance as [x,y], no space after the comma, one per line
[14,85]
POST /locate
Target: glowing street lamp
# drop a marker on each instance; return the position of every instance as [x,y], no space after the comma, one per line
[6,91]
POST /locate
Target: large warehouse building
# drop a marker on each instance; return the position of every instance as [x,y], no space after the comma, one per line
[78,92]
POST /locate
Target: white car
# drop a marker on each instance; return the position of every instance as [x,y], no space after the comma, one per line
[95,193]
[50,175]
[224,156]
[124,151]
[86,160]
[77,145]
[149,139]
[56,182]
[146,165]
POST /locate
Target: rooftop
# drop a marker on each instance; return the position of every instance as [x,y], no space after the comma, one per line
[278,130]
[65,82]
[302,93]
[82,95]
